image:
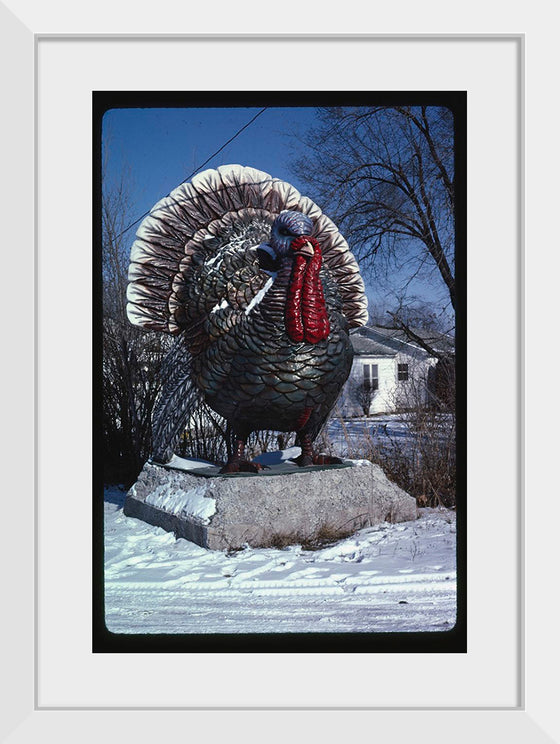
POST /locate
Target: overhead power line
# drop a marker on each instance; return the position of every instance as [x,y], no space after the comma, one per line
[248,124]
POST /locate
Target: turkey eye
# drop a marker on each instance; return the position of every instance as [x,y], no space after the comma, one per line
[283,231]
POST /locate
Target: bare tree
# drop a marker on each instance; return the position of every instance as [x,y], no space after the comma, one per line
[131,357]
[363,393]
[387,176]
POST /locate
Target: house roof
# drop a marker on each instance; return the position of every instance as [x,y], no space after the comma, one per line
[364,346]
[438,341]
[395,339]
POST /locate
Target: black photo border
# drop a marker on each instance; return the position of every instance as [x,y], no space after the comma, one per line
[450,641]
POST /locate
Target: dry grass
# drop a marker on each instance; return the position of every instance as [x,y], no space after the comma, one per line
[325,536]
[422,463]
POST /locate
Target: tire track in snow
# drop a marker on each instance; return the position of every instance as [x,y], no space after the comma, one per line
[388,577]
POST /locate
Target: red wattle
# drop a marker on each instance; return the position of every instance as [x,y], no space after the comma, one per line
[306,312]
[294,323]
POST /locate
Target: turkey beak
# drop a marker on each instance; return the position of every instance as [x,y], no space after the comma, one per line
[307,250]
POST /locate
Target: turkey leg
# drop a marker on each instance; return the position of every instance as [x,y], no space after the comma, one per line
[237,462]
[307,456]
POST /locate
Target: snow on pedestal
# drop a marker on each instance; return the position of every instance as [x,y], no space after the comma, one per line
[280,505]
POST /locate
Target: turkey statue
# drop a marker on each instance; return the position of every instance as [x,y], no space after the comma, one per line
[260,289]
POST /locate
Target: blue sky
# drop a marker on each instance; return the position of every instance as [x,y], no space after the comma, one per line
[158,148]
[163,146]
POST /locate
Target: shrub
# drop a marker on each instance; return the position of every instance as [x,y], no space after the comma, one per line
[416,450]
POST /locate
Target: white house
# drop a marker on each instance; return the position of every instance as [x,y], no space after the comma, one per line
[390,372]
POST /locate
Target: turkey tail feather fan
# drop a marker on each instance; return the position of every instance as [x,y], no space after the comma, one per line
[177,228]
[177,400]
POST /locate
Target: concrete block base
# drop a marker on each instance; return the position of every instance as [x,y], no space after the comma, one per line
[269,509]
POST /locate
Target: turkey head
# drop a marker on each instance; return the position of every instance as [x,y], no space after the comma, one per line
[291,242]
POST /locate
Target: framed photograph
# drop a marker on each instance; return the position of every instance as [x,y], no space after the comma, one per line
[500,687]
[399,584]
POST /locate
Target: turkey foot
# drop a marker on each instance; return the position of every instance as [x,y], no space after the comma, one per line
[308,458]
[238,463]
[305,461]
[241,466]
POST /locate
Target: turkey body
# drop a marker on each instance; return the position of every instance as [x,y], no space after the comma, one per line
[260,289]
[257,378]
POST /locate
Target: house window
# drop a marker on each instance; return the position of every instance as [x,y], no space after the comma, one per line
[371,377]
[402,372]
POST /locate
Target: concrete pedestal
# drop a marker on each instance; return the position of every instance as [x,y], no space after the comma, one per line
[271,509]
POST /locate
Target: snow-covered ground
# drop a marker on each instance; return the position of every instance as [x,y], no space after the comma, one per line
[391,577]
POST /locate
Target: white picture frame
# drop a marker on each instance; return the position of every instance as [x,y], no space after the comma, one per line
[531,715]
